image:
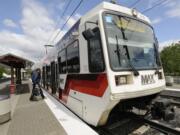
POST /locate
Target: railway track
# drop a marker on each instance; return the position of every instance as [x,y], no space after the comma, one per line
[133,124]
[161,127]
[174,96]
[137,125]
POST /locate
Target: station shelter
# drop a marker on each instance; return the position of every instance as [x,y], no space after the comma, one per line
[16,63]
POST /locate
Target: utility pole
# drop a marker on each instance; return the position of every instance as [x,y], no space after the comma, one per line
[48,46]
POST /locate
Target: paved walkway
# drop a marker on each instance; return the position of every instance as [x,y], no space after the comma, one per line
[176,86]
[31,118]
[42,117]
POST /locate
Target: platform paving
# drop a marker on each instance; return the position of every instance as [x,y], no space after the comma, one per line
[31,118]
[175,86]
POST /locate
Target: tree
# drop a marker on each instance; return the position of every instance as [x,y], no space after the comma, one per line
[170,57]
[2,70]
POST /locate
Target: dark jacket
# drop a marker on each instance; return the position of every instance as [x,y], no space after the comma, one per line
[36,77]
[33,76]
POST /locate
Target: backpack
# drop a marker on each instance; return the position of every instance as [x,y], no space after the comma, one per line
[36,92]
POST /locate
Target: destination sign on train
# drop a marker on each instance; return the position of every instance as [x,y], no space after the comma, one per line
[129,25]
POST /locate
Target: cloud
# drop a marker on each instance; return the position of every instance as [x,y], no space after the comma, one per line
[167,43]
[170,3]
[60,5]
[37,25]
[36,21]
[156,21]
[19,44]
[9,23]
[174,13]
[174,9]
[151,3]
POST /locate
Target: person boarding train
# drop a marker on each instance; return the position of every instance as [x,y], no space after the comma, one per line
[36,77]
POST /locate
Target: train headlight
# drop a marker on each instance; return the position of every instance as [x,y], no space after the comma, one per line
[121,79]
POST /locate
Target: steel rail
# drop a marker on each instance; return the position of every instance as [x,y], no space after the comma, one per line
[159,126]
[162,128]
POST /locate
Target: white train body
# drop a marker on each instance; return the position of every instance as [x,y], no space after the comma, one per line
[92,83]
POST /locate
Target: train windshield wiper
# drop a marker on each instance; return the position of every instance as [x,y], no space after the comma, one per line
[118,51]
[136,73]
[121,29]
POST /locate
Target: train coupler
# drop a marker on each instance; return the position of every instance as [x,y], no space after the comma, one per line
[162,109]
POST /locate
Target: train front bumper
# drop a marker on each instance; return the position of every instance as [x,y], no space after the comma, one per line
[135,94]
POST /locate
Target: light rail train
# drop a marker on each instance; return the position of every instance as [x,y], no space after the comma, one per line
[109,59]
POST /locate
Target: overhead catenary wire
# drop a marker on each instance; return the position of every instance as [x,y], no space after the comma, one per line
[68,19]
[59,20]
[135,3]
[158,4]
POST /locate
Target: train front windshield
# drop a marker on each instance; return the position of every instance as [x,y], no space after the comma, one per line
[130,43]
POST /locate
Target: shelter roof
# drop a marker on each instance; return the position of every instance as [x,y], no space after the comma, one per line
[15,61]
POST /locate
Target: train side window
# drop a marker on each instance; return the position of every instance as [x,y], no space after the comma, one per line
[62,61]
[59,64]
[96,60]
[73,65]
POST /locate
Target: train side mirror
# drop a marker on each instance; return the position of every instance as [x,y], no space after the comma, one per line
[88,34]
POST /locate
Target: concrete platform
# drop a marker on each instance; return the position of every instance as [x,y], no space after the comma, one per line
[72,124]
[42,117]
[31,118]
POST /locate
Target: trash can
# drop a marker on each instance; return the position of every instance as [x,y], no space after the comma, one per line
[169,80]
[5,106]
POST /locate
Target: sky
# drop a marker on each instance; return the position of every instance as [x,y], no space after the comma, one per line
[27,25]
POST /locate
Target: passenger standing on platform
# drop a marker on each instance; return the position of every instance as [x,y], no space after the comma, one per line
[36,78]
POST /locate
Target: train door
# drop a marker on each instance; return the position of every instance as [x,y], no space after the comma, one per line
[60,71]
[44,76]
[47,76]
[53,73]
[56,76]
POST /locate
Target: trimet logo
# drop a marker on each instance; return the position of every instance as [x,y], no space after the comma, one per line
[147,79]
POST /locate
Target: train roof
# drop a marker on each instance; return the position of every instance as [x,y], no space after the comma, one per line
[107,6]
[104,6]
